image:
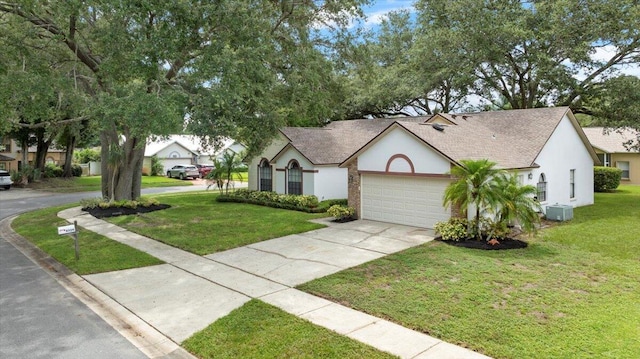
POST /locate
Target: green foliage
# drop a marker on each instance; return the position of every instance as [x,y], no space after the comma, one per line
[86,155]
[90,203]
[156,166]
[305,203]
[76,170]
[51,170]
[474,184]
[27,174]
[341,212]
[606,178]
[517,205]
[455,229]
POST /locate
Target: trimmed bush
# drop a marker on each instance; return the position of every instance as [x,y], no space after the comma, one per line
[304,203]
[455,229]
[51,171]
[76,170]
[341,212]
[606,178]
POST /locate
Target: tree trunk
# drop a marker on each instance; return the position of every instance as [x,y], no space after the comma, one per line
[68,159]
[122,180]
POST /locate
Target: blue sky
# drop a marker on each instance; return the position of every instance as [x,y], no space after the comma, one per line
[378,9]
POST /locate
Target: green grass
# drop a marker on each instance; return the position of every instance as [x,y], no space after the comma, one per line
[258,330]
[199,224]
[573,293]
[97,253]
[92,183]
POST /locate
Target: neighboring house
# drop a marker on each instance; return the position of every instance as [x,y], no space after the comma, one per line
[612,153]
[184,149]
[399,173]
[11,155]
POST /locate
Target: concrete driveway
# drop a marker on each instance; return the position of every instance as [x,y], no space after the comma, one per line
[299,258]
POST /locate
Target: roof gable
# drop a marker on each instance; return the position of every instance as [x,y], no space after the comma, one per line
[613,140]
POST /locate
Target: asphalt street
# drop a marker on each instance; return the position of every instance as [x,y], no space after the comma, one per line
[38,317]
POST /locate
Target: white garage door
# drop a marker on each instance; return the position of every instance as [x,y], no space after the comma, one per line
[413,201]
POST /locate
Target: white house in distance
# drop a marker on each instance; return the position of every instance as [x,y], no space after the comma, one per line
[398,174]
[185,149]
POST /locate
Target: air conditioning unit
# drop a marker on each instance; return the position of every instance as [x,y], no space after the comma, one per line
[559,212]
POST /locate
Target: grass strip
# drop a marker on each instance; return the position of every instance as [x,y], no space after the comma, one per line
[258,330]
[97,253]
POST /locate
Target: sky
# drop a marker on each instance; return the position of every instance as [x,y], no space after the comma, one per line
[378,9]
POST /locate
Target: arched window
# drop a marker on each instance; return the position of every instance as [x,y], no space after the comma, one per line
[174,154]
[294,178]
[542,188]
[264,173]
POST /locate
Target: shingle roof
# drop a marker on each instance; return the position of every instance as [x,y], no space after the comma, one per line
[612,141]
[512,139]
[338,140]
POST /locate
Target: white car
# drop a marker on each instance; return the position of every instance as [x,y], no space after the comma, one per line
[5,179]
[183,171]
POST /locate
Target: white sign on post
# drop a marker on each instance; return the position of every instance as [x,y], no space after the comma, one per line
[70,229]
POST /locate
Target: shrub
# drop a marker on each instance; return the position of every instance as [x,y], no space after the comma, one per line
[76,170]
[90,203]
[157,168]
[341,212]
[455,229]
[606,178]
[51,171]
[305,203]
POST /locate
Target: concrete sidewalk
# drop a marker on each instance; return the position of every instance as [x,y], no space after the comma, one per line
[190,292]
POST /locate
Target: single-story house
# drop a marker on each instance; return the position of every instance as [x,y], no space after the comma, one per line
[397,169]
[185,149]
[609,145]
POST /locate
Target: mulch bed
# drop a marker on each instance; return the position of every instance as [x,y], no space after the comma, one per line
[123,211]
[508,243]
[344,220]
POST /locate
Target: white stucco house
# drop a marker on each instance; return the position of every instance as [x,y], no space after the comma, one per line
[185,149]
[397,170]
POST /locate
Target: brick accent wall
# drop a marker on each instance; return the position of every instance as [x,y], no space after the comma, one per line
[353,184]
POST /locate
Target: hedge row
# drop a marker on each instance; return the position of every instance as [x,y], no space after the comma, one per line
[302,203]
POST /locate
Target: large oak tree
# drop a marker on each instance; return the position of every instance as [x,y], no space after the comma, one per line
[239,68]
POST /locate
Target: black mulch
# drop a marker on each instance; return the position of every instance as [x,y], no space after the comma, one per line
[508,243]
[123,211]
[344,220]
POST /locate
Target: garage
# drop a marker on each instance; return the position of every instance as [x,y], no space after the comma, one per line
[409,200]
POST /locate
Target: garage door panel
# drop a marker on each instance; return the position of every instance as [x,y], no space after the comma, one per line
[414,201]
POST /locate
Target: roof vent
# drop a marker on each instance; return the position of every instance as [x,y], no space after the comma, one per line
[438,127]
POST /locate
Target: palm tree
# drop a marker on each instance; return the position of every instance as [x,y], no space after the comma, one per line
[226,169]
[518,204]
[475,184]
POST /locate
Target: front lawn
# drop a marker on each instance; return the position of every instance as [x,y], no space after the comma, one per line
[97,253]
[197,223]
[258,330]
[573,293]
[92,183]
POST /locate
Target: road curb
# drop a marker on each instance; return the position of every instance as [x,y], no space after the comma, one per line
[143,336]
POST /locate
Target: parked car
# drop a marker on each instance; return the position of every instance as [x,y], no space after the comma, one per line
[183,171]
[5,179]
[204,170]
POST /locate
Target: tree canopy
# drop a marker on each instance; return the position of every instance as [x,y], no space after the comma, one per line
[231,68]
[500,54]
